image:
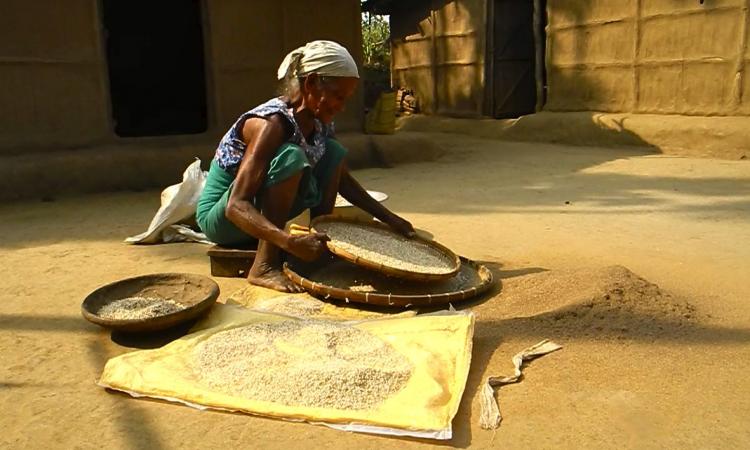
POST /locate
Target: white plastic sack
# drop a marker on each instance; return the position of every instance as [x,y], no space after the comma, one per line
[178,203]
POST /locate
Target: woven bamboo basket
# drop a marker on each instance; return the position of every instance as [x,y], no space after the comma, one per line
[381,268]
[197,293]
[472,280]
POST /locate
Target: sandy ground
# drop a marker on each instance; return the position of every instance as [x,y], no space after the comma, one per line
[642,366]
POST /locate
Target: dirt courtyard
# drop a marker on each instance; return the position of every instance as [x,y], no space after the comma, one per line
[660,361]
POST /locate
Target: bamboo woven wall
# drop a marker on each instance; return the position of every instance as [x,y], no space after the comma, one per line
[439,51]
[649,56]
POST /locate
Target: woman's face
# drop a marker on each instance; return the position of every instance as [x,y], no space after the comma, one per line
[328,98]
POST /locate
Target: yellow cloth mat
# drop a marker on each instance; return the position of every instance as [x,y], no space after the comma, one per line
[303,305]
[438,346]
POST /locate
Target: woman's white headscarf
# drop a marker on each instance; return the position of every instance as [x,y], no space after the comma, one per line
[326,58]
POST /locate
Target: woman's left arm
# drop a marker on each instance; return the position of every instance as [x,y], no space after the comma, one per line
[351,190]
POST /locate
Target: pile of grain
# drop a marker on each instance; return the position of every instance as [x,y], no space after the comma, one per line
[386,248]
[596,302]
[302,363]
[361,287]
[133,308]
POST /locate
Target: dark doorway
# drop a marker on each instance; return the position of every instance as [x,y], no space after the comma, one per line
[156,67]
[514,55]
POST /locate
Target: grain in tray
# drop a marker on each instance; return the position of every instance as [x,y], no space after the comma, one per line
[138,308]
[386,248]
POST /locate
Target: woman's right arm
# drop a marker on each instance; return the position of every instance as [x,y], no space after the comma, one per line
[263,137]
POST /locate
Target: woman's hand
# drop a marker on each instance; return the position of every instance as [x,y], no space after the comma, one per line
[307,247]
[351,190]
[400,225]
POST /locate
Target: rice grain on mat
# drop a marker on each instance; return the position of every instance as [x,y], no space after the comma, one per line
[302,363]
[290,305]
[387,248]
[132,308]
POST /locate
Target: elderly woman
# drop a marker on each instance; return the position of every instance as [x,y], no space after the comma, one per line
[279,159]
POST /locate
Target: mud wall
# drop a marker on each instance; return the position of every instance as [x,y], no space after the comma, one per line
[54,91]
[52,74]
[649,56]
[438,50]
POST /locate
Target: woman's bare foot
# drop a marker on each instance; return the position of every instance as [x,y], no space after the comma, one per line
[270,276]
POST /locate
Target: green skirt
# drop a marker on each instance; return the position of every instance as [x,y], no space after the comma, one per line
[290,160]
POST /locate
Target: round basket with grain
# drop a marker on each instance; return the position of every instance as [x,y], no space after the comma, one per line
[335,278]
[375,246]
[150,302]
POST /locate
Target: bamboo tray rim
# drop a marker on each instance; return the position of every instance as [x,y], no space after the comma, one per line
[404,300]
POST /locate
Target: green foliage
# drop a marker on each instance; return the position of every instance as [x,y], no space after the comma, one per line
[376,47]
